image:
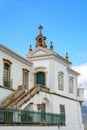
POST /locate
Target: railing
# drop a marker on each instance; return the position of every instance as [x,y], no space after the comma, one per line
[14,116]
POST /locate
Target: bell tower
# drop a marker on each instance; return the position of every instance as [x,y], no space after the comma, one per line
[40,39]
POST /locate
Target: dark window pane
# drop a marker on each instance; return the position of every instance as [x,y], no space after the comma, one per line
[40,78]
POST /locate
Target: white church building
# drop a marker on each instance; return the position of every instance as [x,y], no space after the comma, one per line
[39,91]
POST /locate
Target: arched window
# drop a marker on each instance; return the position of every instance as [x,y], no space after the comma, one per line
[60,81]
[40,41]
[40,78]
[7,74]
[71,85]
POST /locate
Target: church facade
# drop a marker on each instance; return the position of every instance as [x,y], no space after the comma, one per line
[39,90]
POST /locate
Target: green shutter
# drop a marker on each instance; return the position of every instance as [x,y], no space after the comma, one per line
[43,112]
[62,109]
[40,78]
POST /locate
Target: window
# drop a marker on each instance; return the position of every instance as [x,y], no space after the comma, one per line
[6,76]
[62,113]
[71,85]
[62,109]
[25,78]
[60,80]
[42,109]
[40,78]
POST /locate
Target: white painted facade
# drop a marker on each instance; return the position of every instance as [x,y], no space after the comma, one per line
[18,63]
[51,64]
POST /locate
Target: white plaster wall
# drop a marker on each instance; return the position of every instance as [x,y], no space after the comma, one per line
[38,99]
[43,63]
[60,67]
[72,111]
[52,67]
[75,127]
[52,74]
[16,70]
[31,77]
[28,128]
[74,94]
[65,92]
[4,93]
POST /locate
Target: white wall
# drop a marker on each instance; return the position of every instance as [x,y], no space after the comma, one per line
[4,93]
[28,128]
[16,70]
[41,127]
[65,92]
[52,67]
[16,74]
[72,108]
[42,63]
[39,99]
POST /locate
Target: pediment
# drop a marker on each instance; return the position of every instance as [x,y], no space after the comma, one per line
[43,52]
[39,52]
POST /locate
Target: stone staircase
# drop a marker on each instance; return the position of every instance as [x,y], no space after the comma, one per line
[20,96]
[13,96]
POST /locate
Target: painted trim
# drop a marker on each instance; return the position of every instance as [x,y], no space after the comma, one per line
[65,96]
[71,71]
[61,74]
[48,53]
[38,71]
[14,55]
[7,88]
[8,62]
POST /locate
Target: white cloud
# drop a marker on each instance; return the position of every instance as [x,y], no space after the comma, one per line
[82,79]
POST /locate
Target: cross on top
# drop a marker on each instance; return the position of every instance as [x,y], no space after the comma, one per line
[40,28]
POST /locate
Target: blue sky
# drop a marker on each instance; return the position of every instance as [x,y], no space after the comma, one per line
[64,22]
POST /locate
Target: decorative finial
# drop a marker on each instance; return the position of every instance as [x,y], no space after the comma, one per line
[30,49]
[40,28]
[67,55]
[51,46]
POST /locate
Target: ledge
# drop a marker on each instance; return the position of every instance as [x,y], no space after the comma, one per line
[7,88]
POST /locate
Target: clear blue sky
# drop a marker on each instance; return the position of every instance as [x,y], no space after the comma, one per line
[64,22]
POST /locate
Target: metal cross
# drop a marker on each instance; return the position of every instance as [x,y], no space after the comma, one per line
[40,28]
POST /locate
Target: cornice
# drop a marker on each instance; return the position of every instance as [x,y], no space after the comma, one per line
[14,55]
[7,88]
[48,54]
[73,71]
[61,58]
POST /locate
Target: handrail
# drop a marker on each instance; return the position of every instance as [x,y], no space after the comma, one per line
[20,96]
[16,116]
[29,94]
[13,96]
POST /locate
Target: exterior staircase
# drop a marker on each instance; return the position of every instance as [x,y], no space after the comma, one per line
[13,96]
[20,96]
